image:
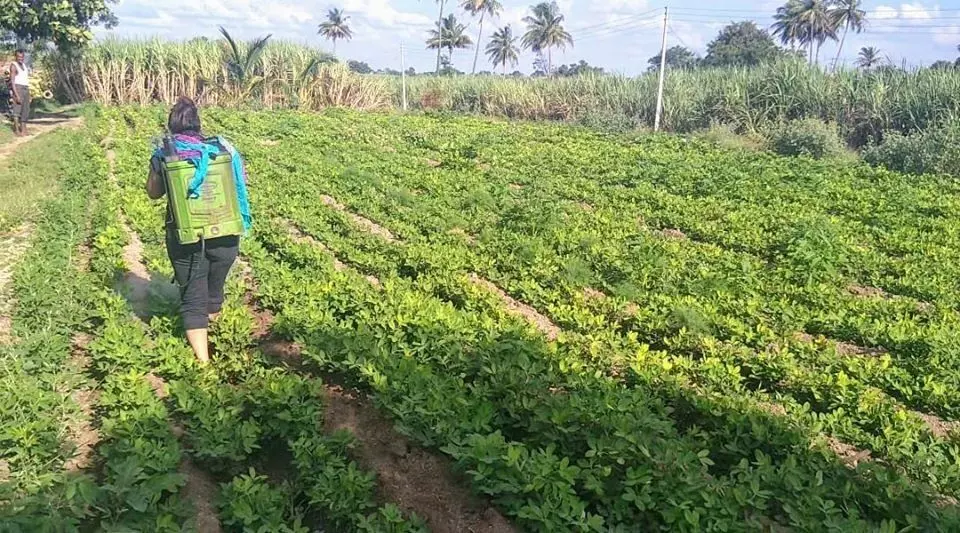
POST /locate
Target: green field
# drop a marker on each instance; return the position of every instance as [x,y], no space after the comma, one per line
[595,333]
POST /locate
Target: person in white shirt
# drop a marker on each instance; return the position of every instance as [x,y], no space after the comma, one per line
[20,89]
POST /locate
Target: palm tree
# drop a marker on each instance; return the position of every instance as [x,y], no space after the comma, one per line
[484,8]
[241,63]
[545,31]
[449,34]
[336,27]
[868,58]
[502,48]
[850,15]
[816,25]
[787,26]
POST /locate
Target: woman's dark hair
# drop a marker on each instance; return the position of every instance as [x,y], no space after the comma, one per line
[184,117]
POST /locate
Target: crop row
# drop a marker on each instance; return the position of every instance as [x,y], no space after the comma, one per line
[465,375]
[244,413]
[533,236]
[841,390]
[729,438]
[138,479]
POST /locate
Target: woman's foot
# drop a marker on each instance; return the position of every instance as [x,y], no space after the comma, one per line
[198,341]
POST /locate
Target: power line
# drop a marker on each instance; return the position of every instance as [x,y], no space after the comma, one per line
[612,29]
[731,10]
[625,18]
[616,31]
[677,35]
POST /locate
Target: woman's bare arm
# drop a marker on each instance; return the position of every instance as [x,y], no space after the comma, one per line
[155,185]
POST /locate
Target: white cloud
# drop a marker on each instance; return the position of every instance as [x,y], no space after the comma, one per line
[693,36]
[380,12]
[884,13]
[915,12]
[513,16]
[242,16]
[905,13]
[624,6]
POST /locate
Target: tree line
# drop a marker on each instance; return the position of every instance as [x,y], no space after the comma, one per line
[801,26]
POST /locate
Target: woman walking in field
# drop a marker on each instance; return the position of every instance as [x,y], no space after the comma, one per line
[201,253]
[20,91]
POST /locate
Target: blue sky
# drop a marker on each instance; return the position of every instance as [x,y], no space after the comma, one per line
[618,35]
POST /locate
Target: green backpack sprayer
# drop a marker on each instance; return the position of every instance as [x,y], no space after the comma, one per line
[206,188]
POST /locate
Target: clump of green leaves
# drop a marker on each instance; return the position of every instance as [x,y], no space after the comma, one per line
[250,504]
[805,137]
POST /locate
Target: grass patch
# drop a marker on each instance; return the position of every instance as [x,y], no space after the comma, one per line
[30,175]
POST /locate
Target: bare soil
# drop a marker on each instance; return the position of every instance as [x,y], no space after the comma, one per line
[287,352]
[338,265]
[866,292]
[35,128]
[158,385]
[672,234]
[81,432]
[848,454]
[13,246]
[460,232]
[939,427]
[416,480]
[848,349]
[200,491]
[364,223]
[542,323]
[593,294]
[774,409]
[136,281]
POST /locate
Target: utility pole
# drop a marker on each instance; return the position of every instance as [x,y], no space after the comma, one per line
[403,76]
[663,73]
[440,35]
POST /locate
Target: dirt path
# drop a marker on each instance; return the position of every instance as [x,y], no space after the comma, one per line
[413,478]
[135,285]
[364,223]
[14,244]
[36,128]
[298,235]
[81,431]
[549,330]
[849,455]
[12,247]
[200,489]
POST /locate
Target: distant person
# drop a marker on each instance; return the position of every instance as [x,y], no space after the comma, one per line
[202,249]
[20,90]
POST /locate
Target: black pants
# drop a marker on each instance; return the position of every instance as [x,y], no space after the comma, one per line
[201,272]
